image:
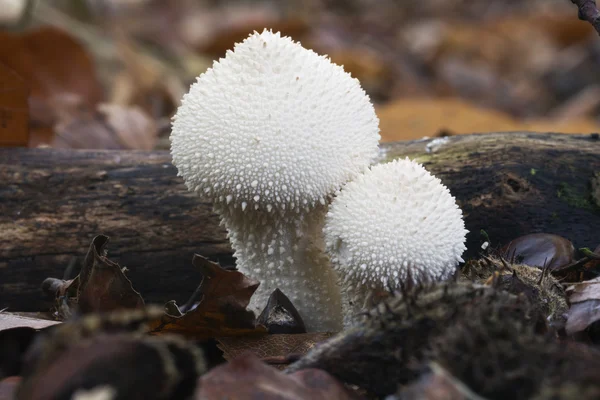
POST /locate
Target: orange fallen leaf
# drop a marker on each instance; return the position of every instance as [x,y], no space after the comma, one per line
[51,61]
[408,119]
[14,113]
[222,309]
[367,66]
[53,64]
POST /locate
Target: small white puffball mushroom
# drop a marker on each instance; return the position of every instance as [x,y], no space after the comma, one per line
[394,223]
[268,134]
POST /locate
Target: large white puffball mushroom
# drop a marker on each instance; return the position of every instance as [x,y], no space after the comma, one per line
[268,134]
[394,223]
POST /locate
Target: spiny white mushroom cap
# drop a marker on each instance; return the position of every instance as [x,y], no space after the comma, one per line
[395,221]
[273,126]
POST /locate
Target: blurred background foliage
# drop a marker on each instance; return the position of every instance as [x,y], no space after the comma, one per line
[109,74]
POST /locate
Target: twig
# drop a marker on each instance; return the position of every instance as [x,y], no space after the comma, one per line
[574,266]
[590,254]
[588,12]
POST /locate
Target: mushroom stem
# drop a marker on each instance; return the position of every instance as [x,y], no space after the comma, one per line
[286,253]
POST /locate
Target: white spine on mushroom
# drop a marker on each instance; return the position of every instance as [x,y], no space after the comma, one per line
[394,223]
[268,134]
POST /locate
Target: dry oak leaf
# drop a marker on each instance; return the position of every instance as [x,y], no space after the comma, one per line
[247,377]
[408,119]
[222,308]
[278,346]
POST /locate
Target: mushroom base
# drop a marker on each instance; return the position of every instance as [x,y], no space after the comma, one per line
[286,251]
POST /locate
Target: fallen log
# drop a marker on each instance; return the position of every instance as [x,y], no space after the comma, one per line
[53,202]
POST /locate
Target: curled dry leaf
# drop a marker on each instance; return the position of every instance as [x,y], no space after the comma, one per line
[246,377]
[540,250]
[585,305]
[101,285]
[222,308]
[279,346]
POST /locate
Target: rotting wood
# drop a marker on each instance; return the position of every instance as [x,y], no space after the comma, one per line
[53,202]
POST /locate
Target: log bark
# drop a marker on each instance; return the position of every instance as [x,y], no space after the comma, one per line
[53,202]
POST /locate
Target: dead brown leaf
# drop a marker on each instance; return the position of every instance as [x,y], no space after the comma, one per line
[103,285]
[222,308]
[133,127]
[132,366]
[373,72]
[8,387]
[271,346]
[78,127]
[585,305]
[214,31]
[438,384]
[108,127]
[53,64]
[246,377]
[540,250]
[147,82]
[14,113]
[10,321]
